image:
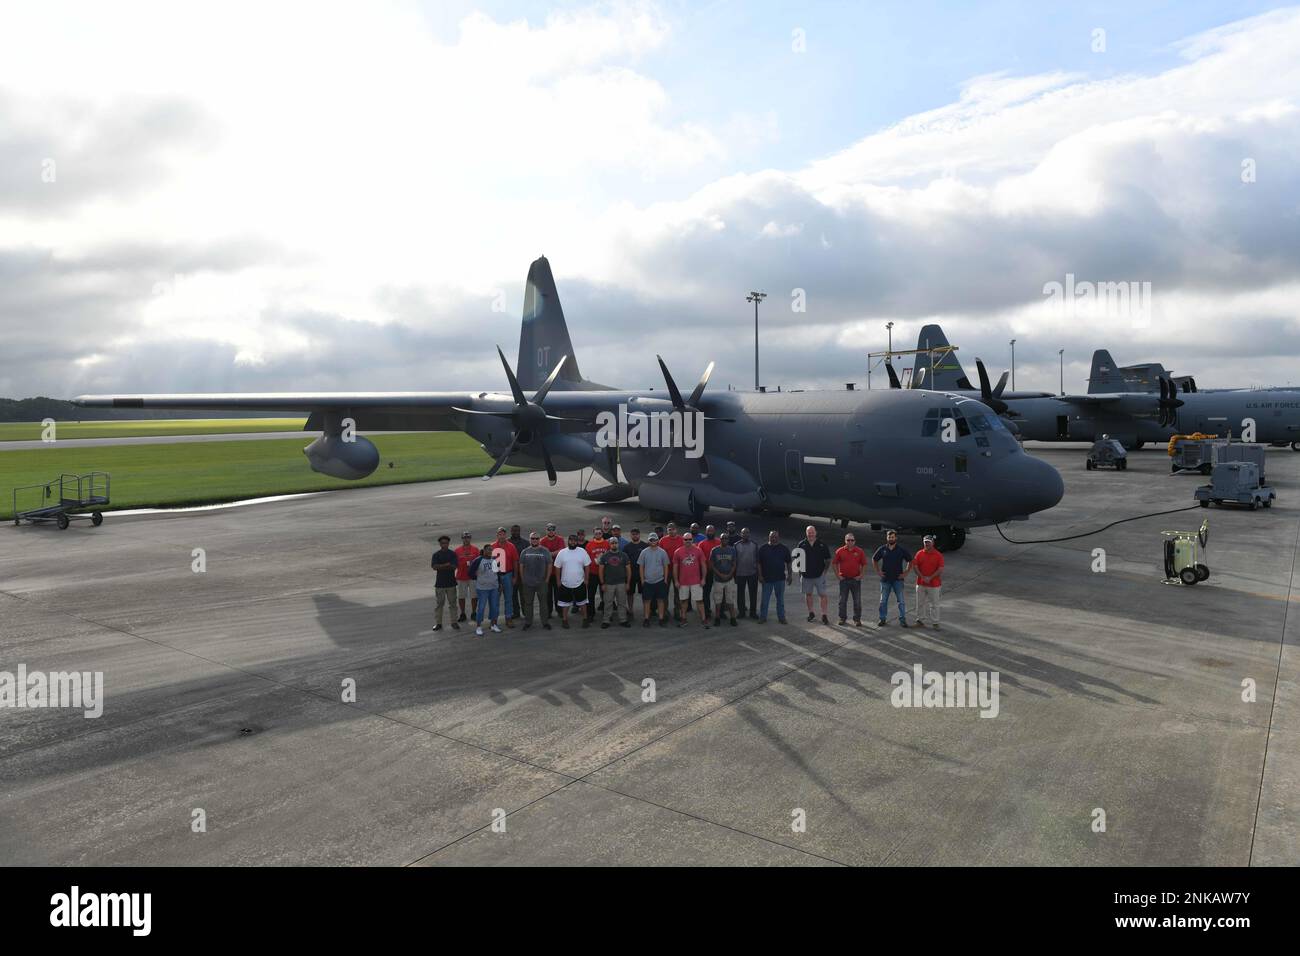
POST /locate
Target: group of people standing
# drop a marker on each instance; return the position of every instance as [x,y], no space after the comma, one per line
[718,575]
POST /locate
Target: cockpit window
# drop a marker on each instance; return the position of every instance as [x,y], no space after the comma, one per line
[934,419]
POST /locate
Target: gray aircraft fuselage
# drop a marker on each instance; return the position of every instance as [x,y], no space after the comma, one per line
[1133,417]
[848,455]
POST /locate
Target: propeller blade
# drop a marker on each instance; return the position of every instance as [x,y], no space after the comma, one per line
[699,389]
[1002,383]
[550,468]
[918,379]
[985,390]
[540,394]
[673,393]
[893,376]
[515,390]
[500,462]
[561,418]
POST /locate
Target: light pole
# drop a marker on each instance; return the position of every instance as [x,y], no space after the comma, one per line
[889,327]
[1013,365]
[756,298]
[1061,353]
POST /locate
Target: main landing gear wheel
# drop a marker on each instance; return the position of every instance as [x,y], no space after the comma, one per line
[950,539]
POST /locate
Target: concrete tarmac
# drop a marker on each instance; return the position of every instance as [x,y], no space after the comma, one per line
[1121,697]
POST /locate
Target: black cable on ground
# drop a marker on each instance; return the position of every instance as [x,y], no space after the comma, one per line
[1071,537]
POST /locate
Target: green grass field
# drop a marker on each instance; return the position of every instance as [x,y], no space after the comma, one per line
[191,473]
[31,431]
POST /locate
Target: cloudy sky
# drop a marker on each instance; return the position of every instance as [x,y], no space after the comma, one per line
[203,197]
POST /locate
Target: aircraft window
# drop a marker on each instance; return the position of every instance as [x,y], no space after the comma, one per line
[929,428]
[979,423]
[963,429]
[960,464]
[932,413]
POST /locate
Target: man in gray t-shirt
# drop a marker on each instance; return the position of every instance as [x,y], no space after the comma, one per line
[654,563]
[746,574]
[534,571]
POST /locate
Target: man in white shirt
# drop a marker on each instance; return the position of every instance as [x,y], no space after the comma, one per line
[571,567]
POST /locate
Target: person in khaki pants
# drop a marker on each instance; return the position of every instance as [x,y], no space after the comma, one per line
[928,564]
[612,570]
[444,583]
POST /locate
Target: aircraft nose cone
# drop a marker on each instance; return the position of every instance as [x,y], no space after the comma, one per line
[1034,485]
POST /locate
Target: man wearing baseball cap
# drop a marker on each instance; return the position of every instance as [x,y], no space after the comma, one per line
[552,542]
[654,564]
[466,553]
[928,564]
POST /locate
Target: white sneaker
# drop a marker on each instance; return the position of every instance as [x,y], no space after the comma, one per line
[478,632]
[495,629]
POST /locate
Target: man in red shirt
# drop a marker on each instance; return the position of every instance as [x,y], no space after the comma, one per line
[595,547]
[466,553]
[928,564]
[506,556]
[670,542]
[848,564]
[688,573]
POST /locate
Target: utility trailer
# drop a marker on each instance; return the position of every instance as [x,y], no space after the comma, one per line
[1237,482]
[64,498]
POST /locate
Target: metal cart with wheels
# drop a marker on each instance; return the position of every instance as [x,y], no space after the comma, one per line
[63,499]
[1184,553]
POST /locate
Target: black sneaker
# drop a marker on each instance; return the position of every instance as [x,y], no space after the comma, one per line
[527,625]
[811,617]
[436,627]
[857,622]
[707,625]
[627,623]
[882,624]
[733,622]
[903,624]
[546,627]
[646,622]
[843,622]
[461,619]
[604,625]
[564,624]
[825,619]
[782,620]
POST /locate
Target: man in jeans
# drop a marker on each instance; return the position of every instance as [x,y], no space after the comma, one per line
[507,558]
[746,573]
[534,582]
[774,569]
[848,564]
[928,565]
[892,562]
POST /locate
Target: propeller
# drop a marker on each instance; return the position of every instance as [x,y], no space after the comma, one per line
[893,376]
[918,379]
[690,406]
[992,397]
[1169,401]
[527,417]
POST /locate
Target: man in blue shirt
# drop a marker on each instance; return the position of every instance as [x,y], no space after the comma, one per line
[774,572]
[892,562]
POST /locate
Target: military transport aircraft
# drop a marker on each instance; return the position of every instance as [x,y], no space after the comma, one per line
[908,459]
[1131,411]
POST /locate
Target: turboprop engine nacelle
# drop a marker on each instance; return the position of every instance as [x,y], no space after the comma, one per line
[352,460]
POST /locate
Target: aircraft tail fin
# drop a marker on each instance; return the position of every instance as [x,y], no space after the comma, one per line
[544,335]
[947,372]
[1106,376]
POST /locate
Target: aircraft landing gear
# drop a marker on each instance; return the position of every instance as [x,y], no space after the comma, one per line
[949,539]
